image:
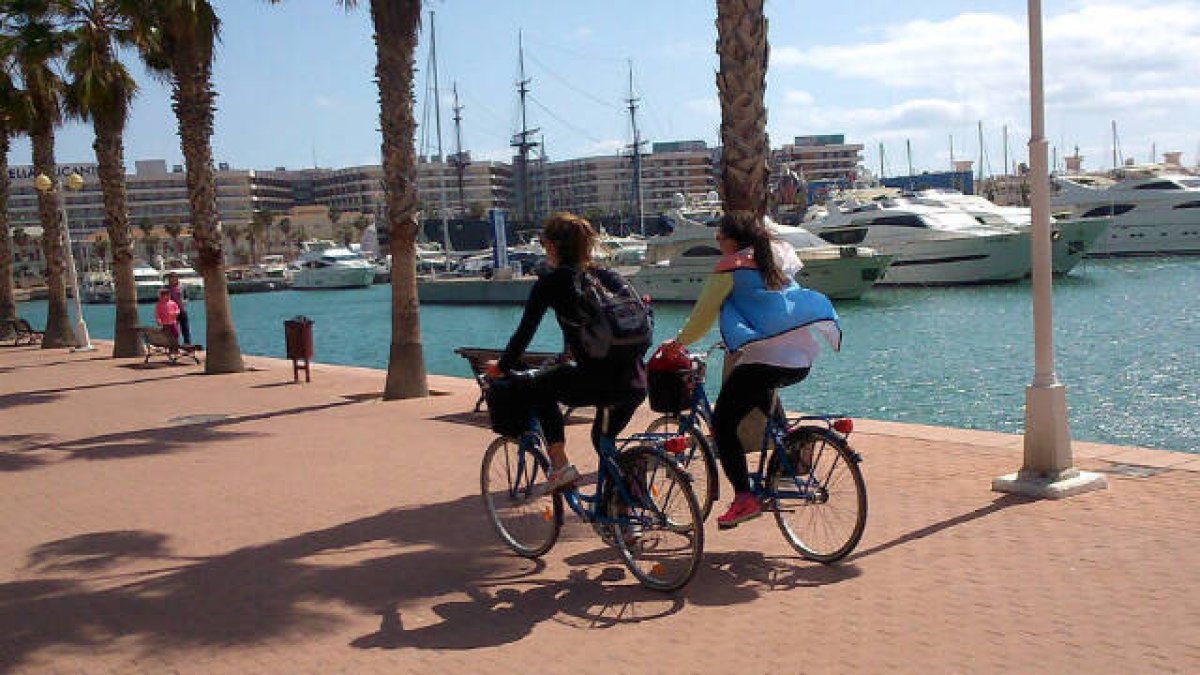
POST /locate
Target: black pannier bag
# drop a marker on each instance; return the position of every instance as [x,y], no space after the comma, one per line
[508,407]
[670,391]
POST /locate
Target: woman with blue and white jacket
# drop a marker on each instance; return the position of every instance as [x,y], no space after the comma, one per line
[764,317]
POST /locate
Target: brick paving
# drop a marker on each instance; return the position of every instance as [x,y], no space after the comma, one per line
[159,521]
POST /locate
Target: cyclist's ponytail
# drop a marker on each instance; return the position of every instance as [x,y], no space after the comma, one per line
[753,232]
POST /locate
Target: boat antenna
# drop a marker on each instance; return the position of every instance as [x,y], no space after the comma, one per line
[952,152]
[908,154]
[1006,150]
[1116,147]
[979,185]
[520,140]
[460,160]
[882,175]
[636,148]
[437,115]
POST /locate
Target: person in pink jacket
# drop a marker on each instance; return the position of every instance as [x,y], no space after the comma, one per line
[166,313]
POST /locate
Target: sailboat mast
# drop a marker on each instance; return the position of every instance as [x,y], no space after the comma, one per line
[460,162]
[1006,150]
[908,154]
[637,156]
[521,141]
[437,114]
[980,183]
[881,174]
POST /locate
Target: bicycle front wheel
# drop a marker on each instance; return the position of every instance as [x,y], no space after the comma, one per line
[656,521]
[818,495]
[698,459]
[527,518]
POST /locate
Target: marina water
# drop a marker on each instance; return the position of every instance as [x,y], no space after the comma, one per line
[1127,347]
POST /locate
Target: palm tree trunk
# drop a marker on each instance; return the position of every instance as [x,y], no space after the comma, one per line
[193,104]
[110,156]
[741,84]
[58,325]
[396,26]
[8,298]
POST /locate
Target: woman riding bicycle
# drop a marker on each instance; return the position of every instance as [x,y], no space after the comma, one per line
[615,384]
[764,317]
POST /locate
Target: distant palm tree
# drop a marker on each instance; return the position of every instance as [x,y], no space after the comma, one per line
[260,224]
[34,44]
[741,86]
[14,119]
[101,89]
[101,248]
[174,228]
[360,224]
[234,233]
[177,40]
[285,226]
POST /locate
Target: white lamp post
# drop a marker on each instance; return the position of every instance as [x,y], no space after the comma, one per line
[74,181]
[1048,471]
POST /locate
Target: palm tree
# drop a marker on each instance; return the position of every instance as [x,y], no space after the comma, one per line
[285,226]
[260,223]
[101,89]
[741,85]
[34,43]
[14,117]
[177,40]
[396,23]
[234,233]
[173,229]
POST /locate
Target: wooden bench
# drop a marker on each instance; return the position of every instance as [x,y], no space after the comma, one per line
[160,342]
[20,332]
[478,358]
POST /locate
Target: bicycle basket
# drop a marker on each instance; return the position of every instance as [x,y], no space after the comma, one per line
[670,391]
[508,408]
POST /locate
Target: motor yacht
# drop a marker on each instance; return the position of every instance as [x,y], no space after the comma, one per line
[97,288]
[677,264]
[325,265]
[147,281]
[932,246]
[1070,238]
[1153,212]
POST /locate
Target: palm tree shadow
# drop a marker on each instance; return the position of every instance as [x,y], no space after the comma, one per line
[102,587]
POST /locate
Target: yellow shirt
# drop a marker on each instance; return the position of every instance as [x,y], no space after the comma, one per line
[707,309]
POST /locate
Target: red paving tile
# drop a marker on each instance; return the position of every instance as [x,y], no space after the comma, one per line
[157,520]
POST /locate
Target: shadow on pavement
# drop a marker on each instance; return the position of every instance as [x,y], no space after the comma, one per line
[105,586]
[50,395]
[999,504]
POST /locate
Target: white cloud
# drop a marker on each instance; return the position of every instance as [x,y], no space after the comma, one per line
[705,106]
[609,146]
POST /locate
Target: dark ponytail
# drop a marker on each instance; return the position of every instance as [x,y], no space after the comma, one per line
[753,232]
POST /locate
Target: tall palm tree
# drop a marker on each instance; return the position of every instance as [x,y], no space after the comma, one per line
[173,229]
[177,40]
[260,223]
[285,226]
[396,23]
[741,85]
[101,90]
[35,44]
[14,117]
[234,233]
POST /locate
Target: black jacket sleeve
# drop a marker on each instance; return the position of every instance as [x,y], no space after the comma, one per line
[535,309]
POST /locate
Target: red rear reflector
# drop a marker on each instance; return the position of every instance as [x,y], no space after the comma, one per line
[844,426]
[675,444]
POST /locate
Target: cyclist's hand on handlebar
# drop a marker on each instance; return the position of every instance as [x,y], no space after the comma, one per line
[491,370]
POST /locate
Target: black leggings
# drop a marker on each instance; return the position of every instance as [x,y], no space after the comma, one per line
[747,387]
[184,326]
[615,404]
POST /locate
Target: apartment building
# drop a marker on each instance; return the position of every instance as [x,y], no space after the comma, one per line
[820,157]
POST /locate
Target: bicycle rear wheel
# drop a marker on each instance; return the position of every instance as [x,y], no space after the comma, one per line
[527,519]
[818,495]
[658,531]
[698,459]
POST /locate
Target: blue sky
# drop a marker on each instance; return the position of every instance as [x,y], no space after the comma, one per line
[296,87]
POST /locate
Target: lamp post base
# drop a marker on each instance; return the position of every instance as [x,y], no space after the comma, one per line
[1049,486]
[81,335]
[84,348]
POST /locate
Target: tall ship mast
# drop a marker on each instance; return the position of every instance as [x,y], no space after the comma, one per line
[636,155]
[521,140]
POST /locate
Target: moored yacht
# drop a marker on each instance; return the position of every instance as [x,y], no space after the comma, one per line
[1070,238]
[1153,213]
[325,265]
[147,281]
[677,264]
[932,246]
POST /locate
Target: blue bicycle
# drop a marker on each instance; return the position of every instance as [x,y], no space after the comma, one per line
[642,504]
[807,473]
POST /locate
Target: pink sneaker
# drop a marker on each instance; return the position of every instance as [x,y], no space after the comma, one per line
[745,507]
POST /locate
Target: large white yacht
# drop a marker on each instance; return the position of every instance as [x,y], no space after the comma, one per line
[1070,238]
[148,281]
[933,246]
[677,264]
[1153,213]
[325,265]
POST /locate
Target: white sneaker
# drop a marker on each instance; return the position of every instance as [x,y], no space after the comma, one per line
[560,478]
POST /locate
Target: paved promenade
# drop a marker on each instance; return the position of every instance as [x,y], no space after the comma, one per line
[155,520]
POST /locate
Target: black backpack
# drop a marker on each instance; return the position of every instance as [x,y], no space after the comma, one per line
[611,314]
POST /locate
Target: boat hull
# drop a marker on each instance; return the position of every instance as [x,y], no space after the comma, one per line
[1072,240]
[474,291]
[329,279]
[958,261]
